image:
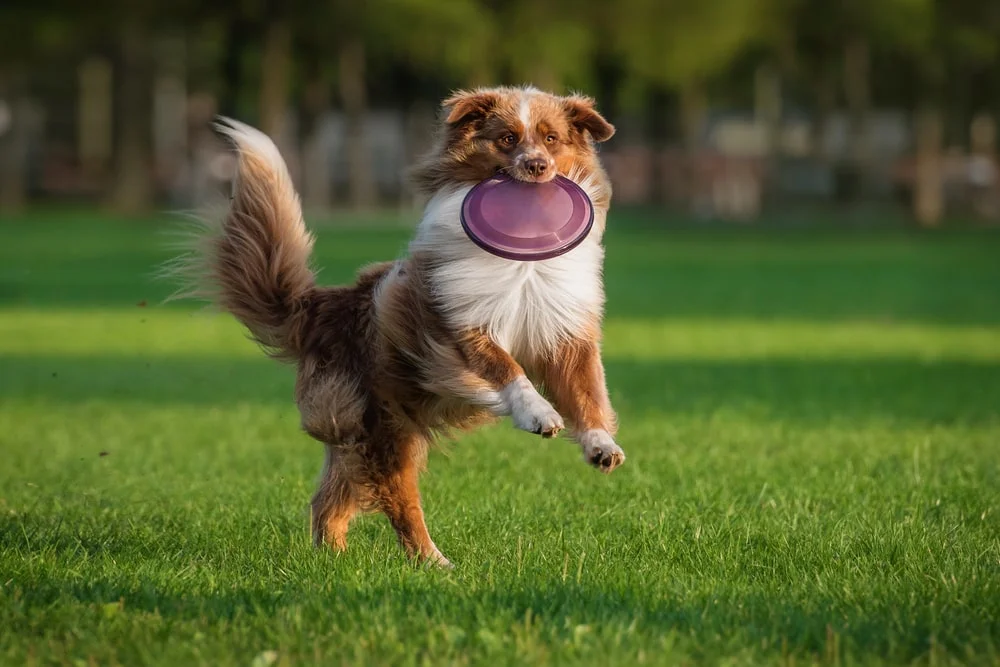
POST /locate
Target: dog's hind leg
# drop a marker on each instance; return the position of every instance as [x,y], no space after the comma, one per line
[398,496]
[334,504]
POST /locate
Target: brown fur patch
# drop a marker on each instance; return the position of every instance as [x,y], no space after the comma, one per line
[470,145]
[487,360]
[574,378]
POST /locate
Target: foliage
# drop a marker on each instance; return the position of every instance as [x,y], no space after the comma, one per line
[666,44]
[678,42]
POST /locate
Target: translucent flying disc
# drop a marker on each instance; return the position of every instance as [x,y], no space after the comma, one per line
[527,221]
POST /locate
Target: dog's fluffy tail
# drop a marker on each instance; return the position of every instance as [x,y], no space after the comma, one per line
[254,261]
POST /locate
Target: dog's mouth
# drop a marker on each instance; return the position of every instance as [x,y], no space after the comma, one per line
[525,176]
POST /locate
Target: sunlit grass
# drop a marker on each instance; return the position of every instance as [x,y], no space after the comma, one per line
[149,331]
[812,471]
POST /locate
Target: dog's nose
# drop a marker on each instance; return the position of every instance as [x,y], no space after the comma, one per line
[536,166]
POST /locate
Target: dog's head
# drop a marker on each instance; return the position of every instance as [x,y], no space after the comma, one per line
[523,132]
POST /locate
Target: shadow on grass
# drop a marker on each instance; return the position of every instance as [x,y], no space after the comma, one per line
[948,278]
[811,391]
[318,591]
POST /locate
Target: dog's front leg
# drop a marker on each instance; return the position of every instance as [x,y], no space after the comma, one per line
[574,376]
[507,390]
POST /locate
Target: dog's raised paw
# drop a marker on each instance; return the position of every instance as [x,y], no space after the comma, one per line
[551,427]
[546,422]
[601,451]
[530,411]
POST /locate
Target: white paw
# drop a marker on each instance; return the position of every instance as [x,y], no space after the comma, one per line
[600,450]
[529,410]
[437,559]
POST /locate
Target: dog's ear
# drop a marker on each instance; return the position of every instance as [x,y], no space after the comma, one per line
[584,117]
[464,106]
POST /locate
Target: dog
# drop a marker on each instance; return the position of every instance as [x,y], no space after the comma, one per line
[445,338]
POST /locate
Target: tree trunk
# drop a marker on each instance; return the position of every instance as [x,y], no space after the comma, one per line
[768,109]
[826,99]
[694,111]
[928,188]
[275,83]
[236,39]
[857,92]
[170,107]
[275,90]
[14,140]
[693,115]
[317,177]
[983,165]
[134,188]
[420,124]
[96,119]
[354,98]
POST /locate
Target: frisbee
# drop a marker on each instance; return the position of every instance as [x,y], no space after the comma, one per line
[527,221]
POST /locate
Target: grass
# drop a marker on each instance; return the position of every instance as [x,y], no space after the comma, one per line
[812,421]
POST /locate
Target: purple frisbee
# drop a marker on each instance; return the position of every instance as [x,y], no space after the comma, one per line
[527,221]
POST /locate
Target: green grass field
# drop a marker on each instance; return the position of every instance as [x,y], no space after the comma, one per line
[812,421]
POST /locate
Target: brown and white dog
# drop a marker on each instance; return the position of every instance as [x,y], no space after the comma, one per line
[444,338]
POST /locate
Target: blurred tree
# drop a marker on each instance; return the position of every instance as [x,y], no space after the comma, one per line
[134,169]
[443,37]
[551,44]
[959,35]
[131,27]
[275,75]
[258,33]
[679,45]
[274,58]
[829,47]
[28,34]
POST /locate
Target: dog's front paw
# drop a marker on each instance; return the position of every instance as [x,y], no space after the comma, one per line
[542,420]
[530,411]
[601,451]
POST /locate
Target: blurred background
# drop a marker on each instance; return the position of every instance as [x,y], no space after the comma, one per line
[726,109]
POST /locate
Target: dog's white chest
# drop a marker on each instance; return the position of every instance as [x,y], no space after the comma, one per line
[526,307]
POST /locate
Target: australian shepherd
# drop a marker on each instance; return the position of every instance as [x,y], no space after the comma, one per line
[448,337]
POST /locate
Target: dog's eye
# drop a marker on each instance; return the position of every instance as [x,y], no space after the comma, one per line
[551,139]
[508,140]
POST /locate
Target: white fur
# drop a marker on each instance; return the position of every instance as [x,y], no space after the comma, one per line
[598,441]
[252,141]
[527,308]
[527,408]
[524,111]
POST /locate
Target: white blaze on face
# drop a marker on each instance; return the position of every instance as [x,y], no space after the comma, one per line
[524,113]
[531,149]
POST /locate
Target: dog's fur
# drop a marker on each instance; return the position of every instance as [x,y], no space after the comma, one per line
[445,338]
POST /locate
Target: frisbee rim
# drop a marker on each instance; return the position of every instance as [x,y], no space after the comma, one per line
[530,256]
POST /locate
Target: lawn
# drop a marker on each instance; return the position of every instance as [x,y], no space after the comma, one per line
[812,422]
